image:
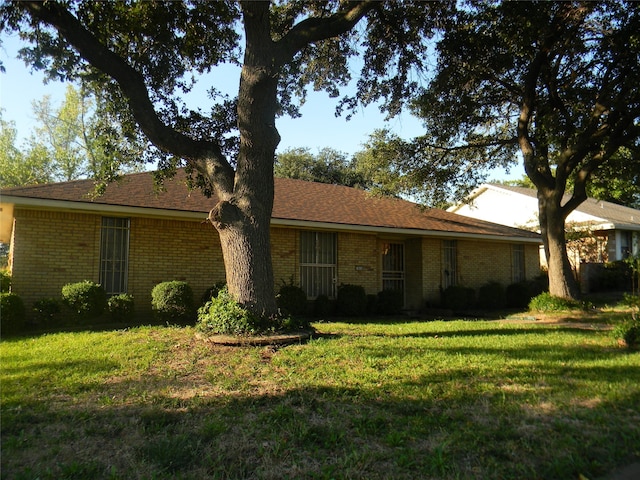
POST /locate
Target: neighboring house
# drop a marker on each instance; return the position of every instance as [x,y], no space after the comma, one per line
[597,231]
[130,239]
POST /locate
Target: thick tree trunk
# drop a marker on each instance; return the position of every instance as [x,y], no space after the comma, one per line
[562,282]
[243,216]
[247,256]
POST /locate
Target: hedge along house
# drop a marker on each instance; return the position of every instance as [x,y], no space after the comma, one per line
[131,238]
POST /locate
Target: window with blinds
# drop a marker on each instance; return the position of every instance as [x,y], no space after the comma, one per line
[114,254]
[318,259]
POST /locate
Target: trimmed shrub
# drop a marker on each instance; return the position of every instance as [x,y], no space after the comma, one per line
[390,302]
[121,307]
[614,276]
[86,299]
[5,281]
[372,304]
[212,292]
[457,297]
[46,311]
[13,317]
[173,302]
[351,300]
[291,299]
[545,302]
[223,315]
[492,296]
[322,306]
[518,295]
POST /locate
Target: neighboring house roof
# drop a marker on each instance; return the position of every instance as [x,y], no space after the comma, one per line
[606,215]
[296,202]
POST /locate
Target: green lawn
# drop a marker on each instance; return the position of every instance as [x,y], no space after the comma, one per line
[388,399]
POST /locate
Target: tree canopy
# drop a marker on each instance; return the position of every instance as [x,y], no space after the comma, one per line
[555,82]
[70,141]
[327,166]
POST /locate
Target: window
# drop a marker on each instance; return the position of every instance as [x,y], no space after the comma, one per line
[393,267]
[318,254]
[517,263]
[449,263]
[625,245]
[114,254]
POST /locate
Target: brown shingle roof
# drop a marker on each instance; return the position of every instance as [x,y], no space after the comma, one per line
[295,200]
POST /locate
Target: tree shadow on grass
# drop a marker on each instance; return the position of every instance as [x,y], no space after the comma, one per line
[323,432]
[451,420]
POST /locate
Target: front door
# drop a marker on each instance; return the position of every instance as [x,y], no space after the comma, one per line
[393,267]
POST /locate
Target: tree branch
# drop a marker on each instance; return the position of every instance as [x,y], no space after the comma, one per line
[315,29]
[489,143]
[206,156]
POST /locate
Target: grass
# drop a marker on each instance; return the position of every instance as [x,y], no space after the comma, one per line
[387,399]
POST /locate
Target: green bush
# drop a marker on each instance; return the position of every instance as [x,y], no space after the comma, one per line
[351,300]
[492,296]
[390,302]
[212,292]
[372,304]
[457,297]
[223,315]
[46,311]
[614,276]
[545,302]
[322,306]
[288,324]
[292,300]
[12,313]
[631,300]
[86,299]
[173,302]
[519,294]
[628,332]
[5,281]
[121,307]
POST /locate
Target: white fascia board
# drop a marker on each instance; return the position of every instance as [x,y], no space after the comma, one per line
[625,226]
[68,206]
[63,205]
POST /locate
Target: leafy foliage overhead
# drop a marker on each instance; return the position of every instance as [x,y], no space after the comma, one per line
[559,77]
[153,53]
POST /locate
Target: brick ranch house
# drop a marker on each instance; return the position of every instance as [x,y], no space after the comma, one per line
[131,238]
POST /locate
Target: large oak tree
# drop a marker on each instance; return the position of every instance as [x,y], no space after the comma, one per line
[142,56]
[556,82]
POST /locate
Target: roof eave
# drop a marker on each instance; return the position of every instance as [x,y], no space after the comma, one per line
[67,205]
[90,207]
[402,231]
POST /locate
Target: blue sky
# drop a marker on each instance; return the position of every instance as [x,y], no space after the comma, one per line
[317,128]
